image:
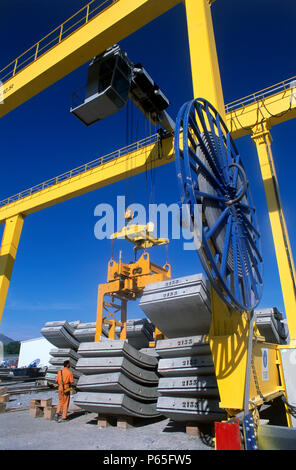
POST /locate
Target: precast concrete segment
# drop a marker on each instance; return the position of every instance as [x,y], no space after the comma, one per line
[59,361]
[116,383]
[190,409]
[94,365]
[186,298]
[85,326]
[270,325]
[51,378]
[186,346]
[188,365]
[114,404]
[188,386]
[55,369]
[60,337]
[64,352]
[63,323]
[150,352]
[74,324]
[84,335]
[117,348]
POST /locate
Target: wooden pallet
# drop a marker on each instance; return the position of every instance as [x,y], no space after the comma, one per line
[4,398]
[42,408]
[2,407]
[192,429]
[121,422]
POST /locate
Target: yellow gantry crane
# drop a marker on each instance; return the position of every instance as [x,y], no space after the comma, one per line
[90,32]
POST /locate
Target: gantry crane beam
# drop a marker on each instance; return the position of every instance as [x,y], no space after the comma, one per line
[132,160]
[273,105]
[116,21]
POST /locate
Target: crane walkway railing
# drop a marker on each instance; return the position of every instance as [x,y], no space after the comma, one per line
[72,24]
[82,169]
[285,85]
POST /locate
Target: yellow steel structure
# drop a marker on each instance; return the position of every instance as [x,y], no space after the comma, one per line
[273,105]
[115,21]
[9,245]
[125,282]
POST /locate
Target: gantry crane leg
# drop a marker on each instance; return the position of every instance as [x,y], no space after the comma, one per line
[262,139]
[203,55]
[9,245]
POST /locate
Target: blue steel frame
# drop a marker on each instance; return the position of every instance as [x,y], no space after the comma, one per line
[204,146]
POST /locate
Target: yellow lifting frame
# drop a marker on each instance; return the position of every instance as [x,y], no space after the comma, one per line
[117,22]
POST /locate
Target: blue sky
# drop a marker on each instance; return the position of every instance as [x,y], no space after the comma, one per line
[60,263]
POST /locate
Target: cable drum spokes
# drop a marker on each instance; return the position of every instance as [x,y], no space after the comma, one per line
[211,174]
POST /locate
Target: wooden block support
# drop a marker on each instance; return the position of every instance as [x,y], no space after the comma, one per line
[49,412]
[4,398]
[125,422]
[34,403]
[46,403]
[104,421]
[2,407]
[3,390]
[192,429]
[36,411]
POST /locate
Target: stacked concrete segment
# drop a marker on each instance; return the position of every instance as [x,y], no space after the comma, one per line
[187,388]
[270,325]
[179,307]
[117,379]
[60,334]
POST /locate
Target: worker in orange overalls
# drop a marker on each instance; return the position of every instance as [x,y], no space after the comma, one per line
[65,379]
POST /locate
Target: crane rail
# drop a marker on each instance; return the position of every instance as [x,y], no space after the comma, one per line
[61,32]
[82,169]
[260,95]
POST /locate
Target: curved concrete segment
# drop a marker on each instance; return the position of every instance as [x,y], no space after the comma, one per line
[186,346]
[117,348]
[186,298]
[188,365]
[116,383]
[190,409]
[193,386]
[59,361]
[114,404]
[55,369]
[64,352]
[60,337]
[95,365]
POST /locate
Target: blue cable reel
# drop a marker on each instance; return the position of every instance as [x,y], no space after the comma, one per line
[220,212]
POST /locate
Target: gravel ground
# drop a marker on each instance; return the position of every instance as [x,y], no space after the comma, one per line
[18,431]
